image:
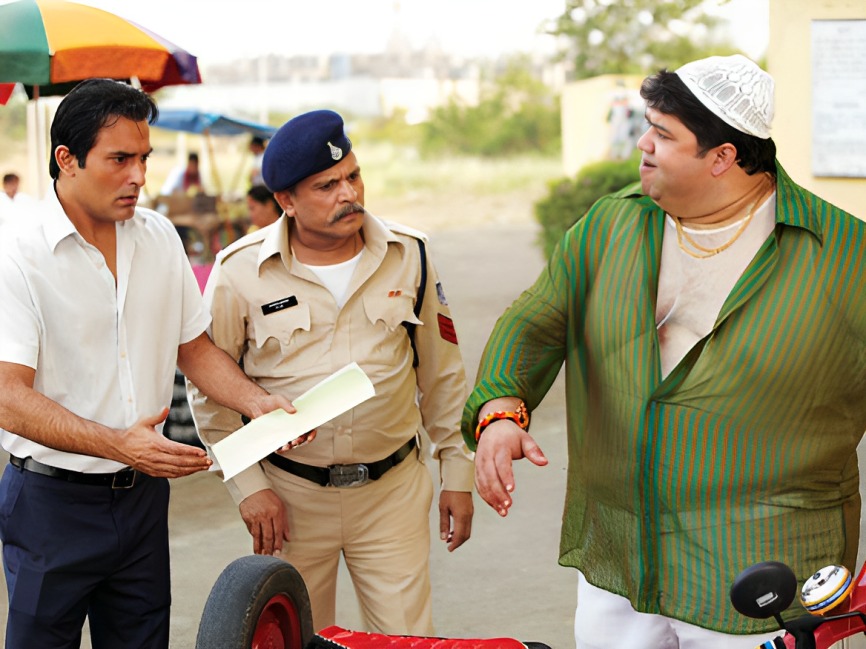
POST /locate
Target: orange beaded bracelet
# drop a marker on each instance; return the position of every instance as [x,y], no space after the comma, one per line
[519,417]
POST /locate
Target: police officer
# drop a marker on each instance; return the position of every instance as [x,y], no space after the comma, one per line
[325,285]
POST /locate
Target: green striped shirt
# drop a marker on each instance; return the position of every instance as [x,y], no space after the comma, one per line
[745,452]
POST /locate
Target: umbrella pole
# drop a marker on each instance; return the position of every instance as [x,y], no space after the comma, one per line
[38,143]
[214,171]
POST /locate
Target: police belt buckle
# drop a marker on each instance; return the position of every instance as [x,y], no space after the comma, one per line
[348,475]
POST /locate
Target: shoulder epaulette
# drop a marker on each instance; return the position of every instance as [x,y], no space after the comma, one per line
[244,242]
[399,228]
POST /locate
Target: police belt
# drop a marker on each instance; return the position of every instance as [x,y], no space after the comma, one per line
[343,475]
[123,479]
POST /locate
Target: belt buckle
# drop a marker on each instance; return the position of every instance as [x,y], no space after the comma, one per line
[123,479]
[348,475]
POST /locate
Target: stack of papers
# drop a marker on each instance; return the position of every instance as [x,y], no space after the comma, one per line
[333,396]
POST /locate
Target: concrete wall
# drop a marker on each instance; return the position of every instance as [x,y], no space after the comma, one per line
[789,60]
[587,131]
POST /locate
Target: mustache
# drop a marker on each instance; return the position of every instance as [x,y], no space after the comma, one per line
[346,211]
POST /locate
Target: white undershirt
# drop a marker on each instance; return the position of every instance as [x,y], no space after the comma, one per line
[692,291]
[336,277]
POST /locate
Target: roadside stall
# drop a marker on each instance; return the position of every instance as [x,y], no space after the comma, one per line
[207,223]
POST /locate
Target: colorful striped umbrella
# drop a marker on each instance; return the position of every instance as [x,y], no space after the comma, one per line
[50,45]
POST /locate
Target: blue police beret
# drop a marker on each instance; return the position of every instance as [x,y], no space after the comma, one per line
[305,145]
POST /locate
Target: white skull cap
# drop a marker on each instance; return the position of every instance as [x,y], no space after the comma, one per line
[735,89]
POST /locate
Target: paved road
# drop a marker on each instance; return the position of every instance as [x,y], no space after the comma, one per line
[505,581]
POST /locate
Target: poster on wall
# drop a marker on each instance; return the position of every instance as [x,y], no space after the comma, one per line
[839,98]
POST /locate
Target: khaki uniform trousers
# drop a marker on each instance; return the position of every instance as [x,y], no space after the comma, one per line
[382,530]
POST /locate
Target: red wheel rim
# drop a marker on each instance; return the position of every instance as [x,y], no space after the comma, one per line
[278,626]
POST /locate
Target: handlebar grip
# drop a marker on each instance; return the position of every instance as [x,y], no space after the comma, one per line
[775,643]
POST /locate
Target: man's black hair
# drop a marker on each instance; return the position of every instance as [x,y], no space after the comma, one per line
[666,93]
[90,106]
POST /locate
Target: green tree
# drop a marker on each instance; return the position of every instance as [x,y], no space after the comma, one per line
[516,113]
[636,36]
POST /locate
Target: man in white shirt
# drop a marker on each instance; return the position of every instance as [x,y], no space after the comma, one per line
[99,306]
[257,148]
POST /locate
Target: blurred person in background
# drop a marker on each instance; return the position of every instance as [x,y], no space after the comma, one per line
[184,179]
[262,206]
[257,148]
[12,201]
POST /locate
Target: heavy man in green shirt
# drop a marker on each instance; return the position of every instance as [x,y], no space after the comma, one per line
[712,322]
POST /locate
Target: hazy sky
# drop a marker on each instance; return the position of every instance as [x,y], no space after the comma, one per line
[223,30]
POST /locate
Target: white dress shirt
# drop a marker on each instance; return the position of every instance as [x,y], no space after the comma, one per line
[14,208]
[107,352]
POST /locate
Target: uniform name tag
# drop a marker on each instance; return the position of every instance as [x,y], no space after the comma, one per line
[279,305]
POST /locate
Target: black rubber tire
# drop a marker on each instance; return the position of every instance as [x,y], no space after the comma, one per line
[239,597]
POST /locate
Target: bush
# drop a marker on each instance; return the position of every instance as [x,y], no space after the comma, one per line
[569,199]
[516,113]
[394,130]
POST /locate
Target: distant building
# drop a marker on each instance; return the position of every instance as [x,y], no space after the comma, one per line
[364,85]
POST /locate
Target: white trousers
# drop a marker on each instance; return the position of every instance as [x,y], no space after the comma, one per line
[603,620]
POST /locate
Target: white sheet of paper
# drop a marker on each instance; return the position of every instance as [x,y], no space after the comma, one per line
[333,396]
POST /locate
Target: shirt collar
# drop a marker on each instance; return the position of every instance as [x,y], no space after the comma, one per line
[794,206]
[276,242]
[57,225]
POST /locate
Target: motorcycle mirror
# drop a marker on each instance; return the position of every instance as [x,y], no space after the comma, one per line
[764,590]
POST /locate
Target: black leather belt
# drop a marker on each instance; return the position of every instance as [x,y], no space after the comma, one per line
[123,479]
[343,475]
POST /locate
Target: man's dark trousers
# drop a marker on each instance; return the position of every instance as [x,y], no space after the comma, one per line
[74,550]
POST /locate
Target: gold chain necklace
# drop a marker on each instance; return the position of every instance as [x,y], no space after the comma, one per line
[705,253]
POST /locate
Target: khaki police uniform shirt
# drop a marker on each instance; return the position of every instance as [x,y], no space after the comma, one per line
[290,349]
